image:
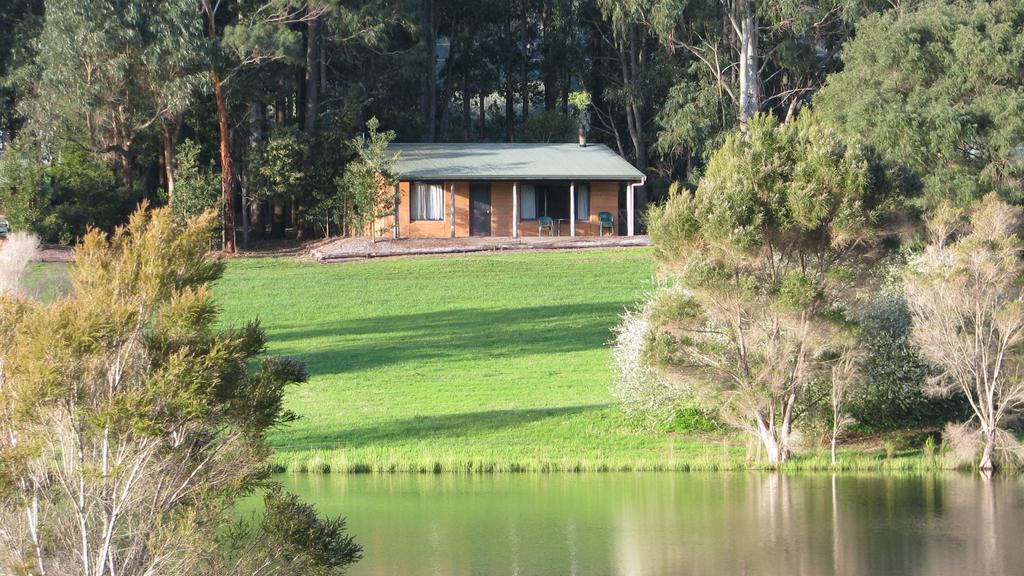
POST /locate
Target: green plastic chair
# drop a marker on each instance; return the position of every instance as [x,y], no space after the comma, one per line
[606,222]
[545,222]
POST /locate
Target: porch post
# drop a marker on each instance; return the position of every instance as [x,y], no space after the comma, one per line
[453,209]
[515,209]
[398,198]
[572,208]
[630,201]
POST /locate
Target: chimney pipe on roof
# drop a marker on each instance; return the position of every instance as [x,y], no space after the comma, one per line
[583,137]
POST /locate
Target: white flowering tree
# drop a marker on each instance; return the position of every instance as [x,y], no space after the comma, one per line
[966,298]
[15,254]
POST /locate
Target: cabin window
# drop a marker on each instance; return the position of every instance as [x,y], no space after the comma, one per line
[550,200]
[582,201]
[528,203]
[426,201]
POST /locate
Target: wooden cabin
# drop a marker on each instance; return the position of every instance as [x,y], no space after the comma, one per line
[513,190]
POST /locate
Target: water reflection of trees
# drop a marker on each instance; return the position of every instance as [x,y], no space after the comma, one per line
[775,524]
[680,524]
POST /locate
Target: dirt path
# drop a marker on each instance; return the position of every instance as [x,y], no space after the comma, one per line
[347,249]
[329,250]
[55,253]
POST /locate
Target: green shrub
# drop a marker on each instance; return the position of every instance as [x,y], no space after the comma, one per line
[23,197]
[60,200]
[692,419]
[891,396]
[929,448]
[549,126]
[196,188]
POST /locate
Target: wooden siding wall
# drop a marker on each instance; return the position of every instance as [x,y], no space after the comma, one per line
[409,228]
[604,197]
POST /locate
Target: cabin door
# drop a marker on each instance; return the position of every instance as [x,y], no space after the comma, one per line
[480,209]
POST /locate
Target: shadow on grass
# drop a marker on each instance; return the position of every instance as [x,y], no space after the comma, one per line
[441,336]
[426,428]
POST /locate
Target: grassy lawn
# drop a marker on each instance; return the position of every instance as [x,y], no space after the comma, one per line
[469,363]
[483,362]
[46,282]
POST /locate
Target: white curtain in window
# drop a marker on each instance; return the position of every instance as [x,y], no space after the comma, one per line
[582,202]
[528,202]
[427,201]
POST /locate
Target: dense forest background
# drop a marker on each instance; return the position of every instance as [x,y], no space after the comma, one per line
[251,105]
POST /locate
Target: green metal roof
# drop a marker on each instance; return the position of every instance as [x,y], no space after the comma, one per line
[511,162]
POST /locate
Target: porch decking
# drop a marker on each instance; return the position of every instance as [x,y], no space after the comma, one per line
[362,248]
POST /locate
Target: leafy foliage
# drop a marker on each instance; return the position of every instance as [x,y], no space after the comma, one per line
[59,201]
[370,178]
[764,255]
[694,119]
[293,537]
[276,165]
[891,394]
[131,425]
[938,89]
[549,126]
[105,72]
[197,188]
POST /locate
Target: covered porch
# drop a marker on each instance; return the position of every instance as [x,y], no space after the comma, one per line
[569,208]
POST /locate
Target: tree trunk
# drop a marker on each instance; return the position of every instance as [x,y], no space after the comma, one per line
[987,463]
[446,94]
[639,144]
[226,167]
[312,105]
[168,161]
[127,174]
[565,93]
[299,219]
[280,106]
[246,211]
[467,110]
[524,71]
[750,80]
[277,220]
[774,440]
[428,103]
[631,62]
[256,220]
[771,447]
[550,81]
[227,180]
[246,217]
[312,79]
[510,119]
[483,116]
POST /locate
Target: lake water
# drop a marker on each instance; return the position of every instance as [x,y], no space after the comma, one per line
[679,524]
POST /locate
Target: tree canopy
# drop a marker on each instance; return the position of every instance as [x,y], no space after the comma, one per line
[762,258]
[131,425]
[269,90]
[939,90]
